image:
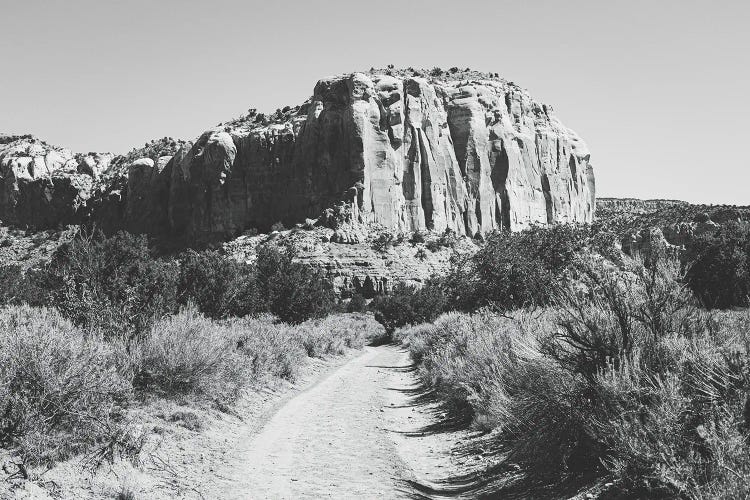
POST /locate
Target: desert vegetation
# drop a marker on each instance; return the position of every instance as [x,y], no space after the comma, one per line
[583,366]
[107,325]
[588,370]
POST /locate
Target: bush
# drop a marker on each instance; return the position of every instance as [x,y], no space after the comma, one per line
[607,315]
[333,334]
[718,266]
[408,305]
[111,285]
[11,283]
[357,303]
[515,270]
[219,286]
[446,240]
[625,379]
[294,292]
[417,237]
[273,350]
[61,392]
[383,242]
[189,354]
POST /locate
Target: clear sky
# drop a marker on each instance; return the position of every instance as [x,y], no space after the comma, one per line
[659,89]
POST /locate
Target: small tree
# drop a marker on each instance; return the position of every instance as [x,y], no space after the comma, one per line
[718,266]
[294,292]
[357,303]
[219,286]
[113,285]
[513,270]
[407,305]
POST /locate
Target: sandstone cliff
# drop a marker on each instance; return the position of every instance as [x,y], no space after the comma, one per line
[405,150]
[42,185]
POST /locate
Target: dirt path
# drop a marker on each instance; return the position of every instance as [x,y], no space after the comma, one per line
[358,433]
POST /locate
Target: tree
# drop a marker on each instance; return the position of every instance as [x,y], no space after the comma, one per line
[718,266]
[514,270]
[113,285]
[218,285]
[294,292]
[408,305]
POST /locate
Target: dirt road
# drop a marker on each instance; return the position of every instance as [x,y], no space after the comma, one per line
[358,433]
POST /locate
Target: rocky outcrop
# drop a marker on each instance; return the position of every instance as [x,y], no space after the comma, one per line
[605,206]
[45,186]
[359,267]
[411,152]
[665,226]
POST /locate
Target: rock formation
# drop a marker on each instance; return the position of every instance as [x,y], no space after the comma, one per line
[408,151]
[633,205]
[666,226]
[43,186]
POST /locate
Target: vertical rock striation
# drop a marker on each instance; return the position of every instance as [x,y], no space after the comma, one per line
[408,153]
[469,153]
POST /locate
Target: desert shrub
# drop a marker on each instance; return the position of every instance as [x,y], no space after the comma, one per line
[446,240]
[383,242]
[11,281]
[677,431]
[417,237]
[188,353]
[408,305]
[333,334]
[337,215]
[624,378]
[357,303]
[219,286]
[273,349]
[112,285]
[61,392]
[513,270]
[607,314]
[718,266]
[278,226]
[293,291]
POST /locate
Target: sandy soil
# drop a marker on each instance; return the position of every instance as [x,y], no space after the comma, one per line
[359,433]
[354,427]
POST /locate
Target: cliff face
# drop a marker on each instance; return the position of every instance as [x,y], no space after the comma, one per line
[42,185]
[405,152]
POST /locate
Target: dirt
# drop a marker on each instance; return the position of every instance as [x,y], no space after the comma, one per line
[358,433]
[354,427]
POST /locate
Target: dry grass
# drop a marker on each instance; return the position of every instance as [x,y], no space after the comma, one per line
[333,334]
[272,349]
[189,354]
[64,392]
[61,392]
[625,379]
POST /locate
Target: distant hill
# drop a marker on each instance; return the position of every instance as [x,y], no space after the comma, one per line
[641,224]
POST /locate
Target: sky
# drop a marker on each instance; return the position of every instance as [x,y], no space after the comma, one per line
[659,89]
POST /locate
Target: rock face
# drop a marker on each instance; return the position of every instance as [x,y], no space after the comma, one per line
[358,267]
[469,152]
[410,154]
[44,186]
